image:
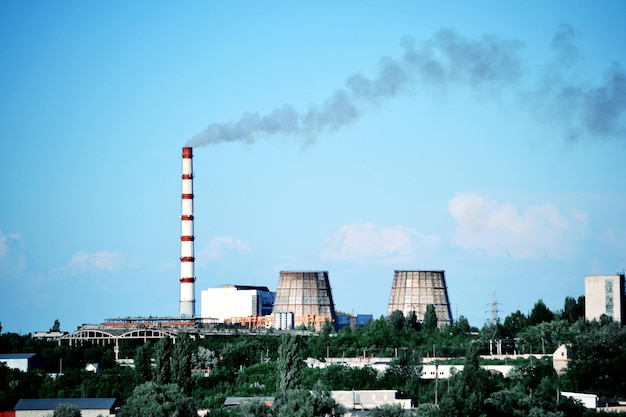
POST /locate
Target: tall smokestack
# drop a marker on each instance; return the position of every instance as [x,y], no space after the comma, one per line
[187,275]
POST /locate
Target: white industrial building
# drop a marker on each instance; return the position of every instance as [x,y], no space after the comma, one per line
[230,301]
[369,399]
[604,294]
[22,361]
[588,400]
[355,401]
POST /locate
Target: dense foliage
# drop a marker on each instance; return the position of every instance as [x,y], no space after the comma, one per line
[179,378]
[66,410]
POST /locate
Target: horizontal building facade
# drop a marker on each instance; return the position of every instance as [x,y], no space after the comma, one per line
[230,301]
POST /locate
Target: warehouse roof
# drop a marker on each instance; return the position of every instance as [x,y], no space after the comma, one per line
[17,355]
[52,403]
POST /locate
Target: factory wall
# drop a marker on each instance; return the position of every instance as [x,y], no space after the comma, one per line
[22,361]
[236,301]
[347,319]
[368,399]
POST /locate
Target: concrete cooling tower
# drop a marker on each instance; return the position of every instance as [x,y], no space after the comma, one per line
[306,297]
[415,290]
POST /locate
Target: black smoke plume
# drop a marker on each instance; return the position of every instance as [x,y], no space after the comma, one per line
[447,59]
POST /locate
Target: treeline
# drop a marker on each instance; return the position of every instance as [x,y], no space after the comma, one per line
[179,378]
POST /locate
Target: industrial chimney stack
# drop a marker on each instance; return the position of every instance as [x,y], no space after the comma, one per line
[187,274]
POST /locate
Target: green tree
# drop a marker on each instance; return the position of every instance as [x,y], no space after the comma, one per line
[378,333]
[251,408]
[291,401]
[318,346]
[397,320]
[570,407]
[340,377]
[15,384]
[540,314]
[547,336]
[514,323]
[203,358]
[388,410]
[56,327]
[460,327]
[67,410]
[411,321]
[242,352]
[181,362]
[598,360]
[259,379]
[323,403]
[404,372]
[156,400]
[509,403]
[468,389]
[162,367]
[289,365]
[294,403]
[573,310]
[427,410]
[430,318]
[143,372]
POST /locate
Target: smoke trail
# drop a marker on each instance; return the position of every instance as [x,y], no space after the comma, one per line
[563,46]
[579,108]
[447,59]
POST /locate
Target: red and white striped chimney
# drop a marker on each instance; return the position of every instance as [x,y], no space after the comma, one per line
[187,274]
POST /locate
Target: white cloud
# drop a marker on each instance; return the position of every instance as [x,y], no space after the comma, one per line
[102,260]
[219,246]
[12,260]
[368,241]
[5,240]
[501,229]
[3,245]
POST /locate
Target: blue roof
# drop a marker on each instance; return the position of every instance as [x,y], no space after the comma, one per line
[17,355]
[52,403]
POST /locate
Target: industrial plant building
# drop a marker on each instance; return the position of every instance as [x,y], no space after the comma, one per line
[352,320]
[230,301]
[22,361]
[415,290]
[303,299]
[605,294]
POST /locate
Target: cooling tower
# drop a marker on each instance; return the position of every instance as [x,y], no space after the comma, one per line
[187,260]
[415,290]
[307,295]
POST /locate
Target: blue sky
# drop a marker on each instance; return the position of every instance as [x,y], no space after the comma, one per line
[483,138]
